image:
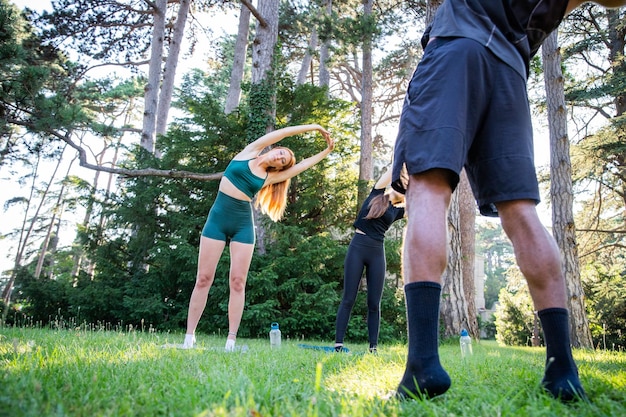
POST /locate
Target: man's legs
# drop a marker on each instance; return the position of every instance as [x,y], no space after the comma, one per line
[424,261]
[539,260]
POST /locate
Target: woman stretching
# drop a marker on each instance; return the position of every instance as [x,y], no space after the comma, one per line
[230,219]
[367,251]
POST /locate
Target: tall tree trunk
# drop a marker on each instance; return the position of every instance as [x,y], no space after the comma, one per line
[308,58]
[49,238]
[263,83]
[366,162]
[171,64]
[324,52]
[467,223]
[44,247]
[151,97]
[616,53]
[25,233]
[152,88]
[617,42]
[91,269]
[561,191]
[53,246]
[239,60]
[431,9]
[453,302]
[79,253]
[264,41]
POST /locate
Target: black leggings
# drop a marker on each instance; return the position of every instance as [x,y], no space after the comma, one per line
[369,254]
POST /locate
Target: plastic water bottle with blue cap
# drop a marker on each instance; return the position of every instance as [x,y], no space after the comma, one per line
[274,335]
[466,344]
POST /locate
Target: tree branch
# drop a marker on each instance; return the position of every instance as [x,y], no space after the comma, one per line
[129,173]
[255,13]
[601,231]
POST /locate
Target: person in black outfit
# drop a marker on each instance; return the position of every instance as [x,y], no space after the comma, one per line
[367,252]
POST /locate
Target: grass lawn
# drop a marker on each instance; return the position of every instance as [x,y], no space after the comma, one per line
[109,373]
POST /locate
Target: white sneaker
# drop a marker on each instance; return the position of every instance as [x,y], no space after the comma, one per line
[230,345]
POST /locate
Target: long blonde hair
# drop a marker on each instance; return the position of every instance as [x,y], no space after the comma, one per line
[272,198]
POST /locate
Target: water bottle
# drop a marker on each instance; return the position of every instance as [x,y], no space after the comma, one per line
[466,344]
[274,336]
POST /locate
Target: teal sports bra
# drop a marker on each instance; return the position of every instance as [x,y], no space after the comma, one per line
[239,174]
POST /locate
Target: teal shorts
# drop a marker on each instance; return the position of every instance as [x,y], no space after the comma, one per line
[230,220]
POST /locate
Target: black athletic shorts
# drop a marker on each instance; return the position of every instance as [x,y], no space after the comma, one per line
[465,107]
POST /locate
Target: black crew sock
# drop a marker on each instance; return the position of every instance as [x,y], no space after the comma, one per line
[424,377]
[561,374]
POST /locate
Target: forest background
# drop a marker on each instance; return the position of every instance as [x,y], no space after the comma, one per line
[88,87]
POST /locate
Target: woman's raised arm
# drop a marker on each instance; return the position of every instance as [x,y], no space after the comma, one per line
[384,179]
[279,176]
[277,135]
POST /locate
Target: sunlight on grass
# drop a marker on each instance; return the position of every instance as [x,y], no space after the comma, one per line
[116,373]
[368,376]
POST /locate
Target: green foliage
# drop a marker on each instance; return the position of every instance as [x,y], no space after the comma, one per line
[99,300]
[350,26]
[592,35]
[299,284]
[142,241]
[45,299]
[146,257]
[261,98]
[48,95]
[592,38]
[488,327]
[496,248]
[99,30]
[599,163]
[515,317]
[24,70]
[203,142]
[605,290]
[304,272]
[38,83]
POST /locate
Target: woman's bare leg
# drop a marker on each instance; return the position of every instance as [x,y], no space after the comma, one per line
[240,258]
[208,257]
